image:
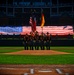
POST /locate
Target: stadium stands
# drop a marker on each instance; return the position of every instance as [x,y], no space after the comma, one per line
[15,15]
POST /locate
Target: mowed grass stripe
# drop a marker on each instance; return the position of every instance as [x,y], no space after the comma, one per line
[33,59]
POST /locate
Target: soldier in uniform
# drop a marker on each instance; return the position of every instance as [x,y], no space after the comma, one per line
[27,39]
[48,41]
[24,42]
[41,43]
[44,38]
[37,41]
[31,43]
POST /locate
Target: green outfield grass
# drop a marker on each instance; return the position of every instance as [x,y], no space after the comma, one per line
[10,49]
[63,49]
[34,59]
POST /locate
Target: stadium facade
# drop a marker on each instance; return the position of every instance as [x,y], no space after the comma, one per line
[17,12]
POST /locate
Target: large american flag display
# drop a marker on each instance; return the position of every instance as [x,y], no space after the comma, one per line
[60,30]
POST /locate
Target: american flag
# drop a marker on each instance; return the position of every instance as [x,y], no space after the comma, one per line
[27,29]
[11,30]
[30,20]
[33,23]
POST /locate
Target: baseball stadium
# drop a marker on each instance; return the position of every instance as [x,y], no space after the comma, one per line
[37,37]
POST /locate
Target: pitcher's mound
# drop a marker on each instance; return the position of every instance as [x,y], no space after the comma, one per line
[37,52]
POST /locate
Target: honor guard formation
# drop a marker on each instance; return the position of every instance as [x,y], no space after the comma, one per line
[34,41]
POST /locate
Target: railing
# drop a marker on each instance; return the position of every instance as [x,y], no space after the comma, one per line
[28,4]
[63,4]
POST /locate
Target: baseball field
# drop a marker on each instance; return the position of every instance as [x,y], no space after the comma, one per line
[56,61]
[17,55]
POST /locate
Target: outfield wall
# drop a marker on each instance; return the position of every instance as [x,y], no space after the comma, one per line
[69,42]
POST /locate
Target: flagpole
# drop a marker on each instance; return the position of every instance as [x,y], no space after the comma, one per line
[41,16]
[42,29]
